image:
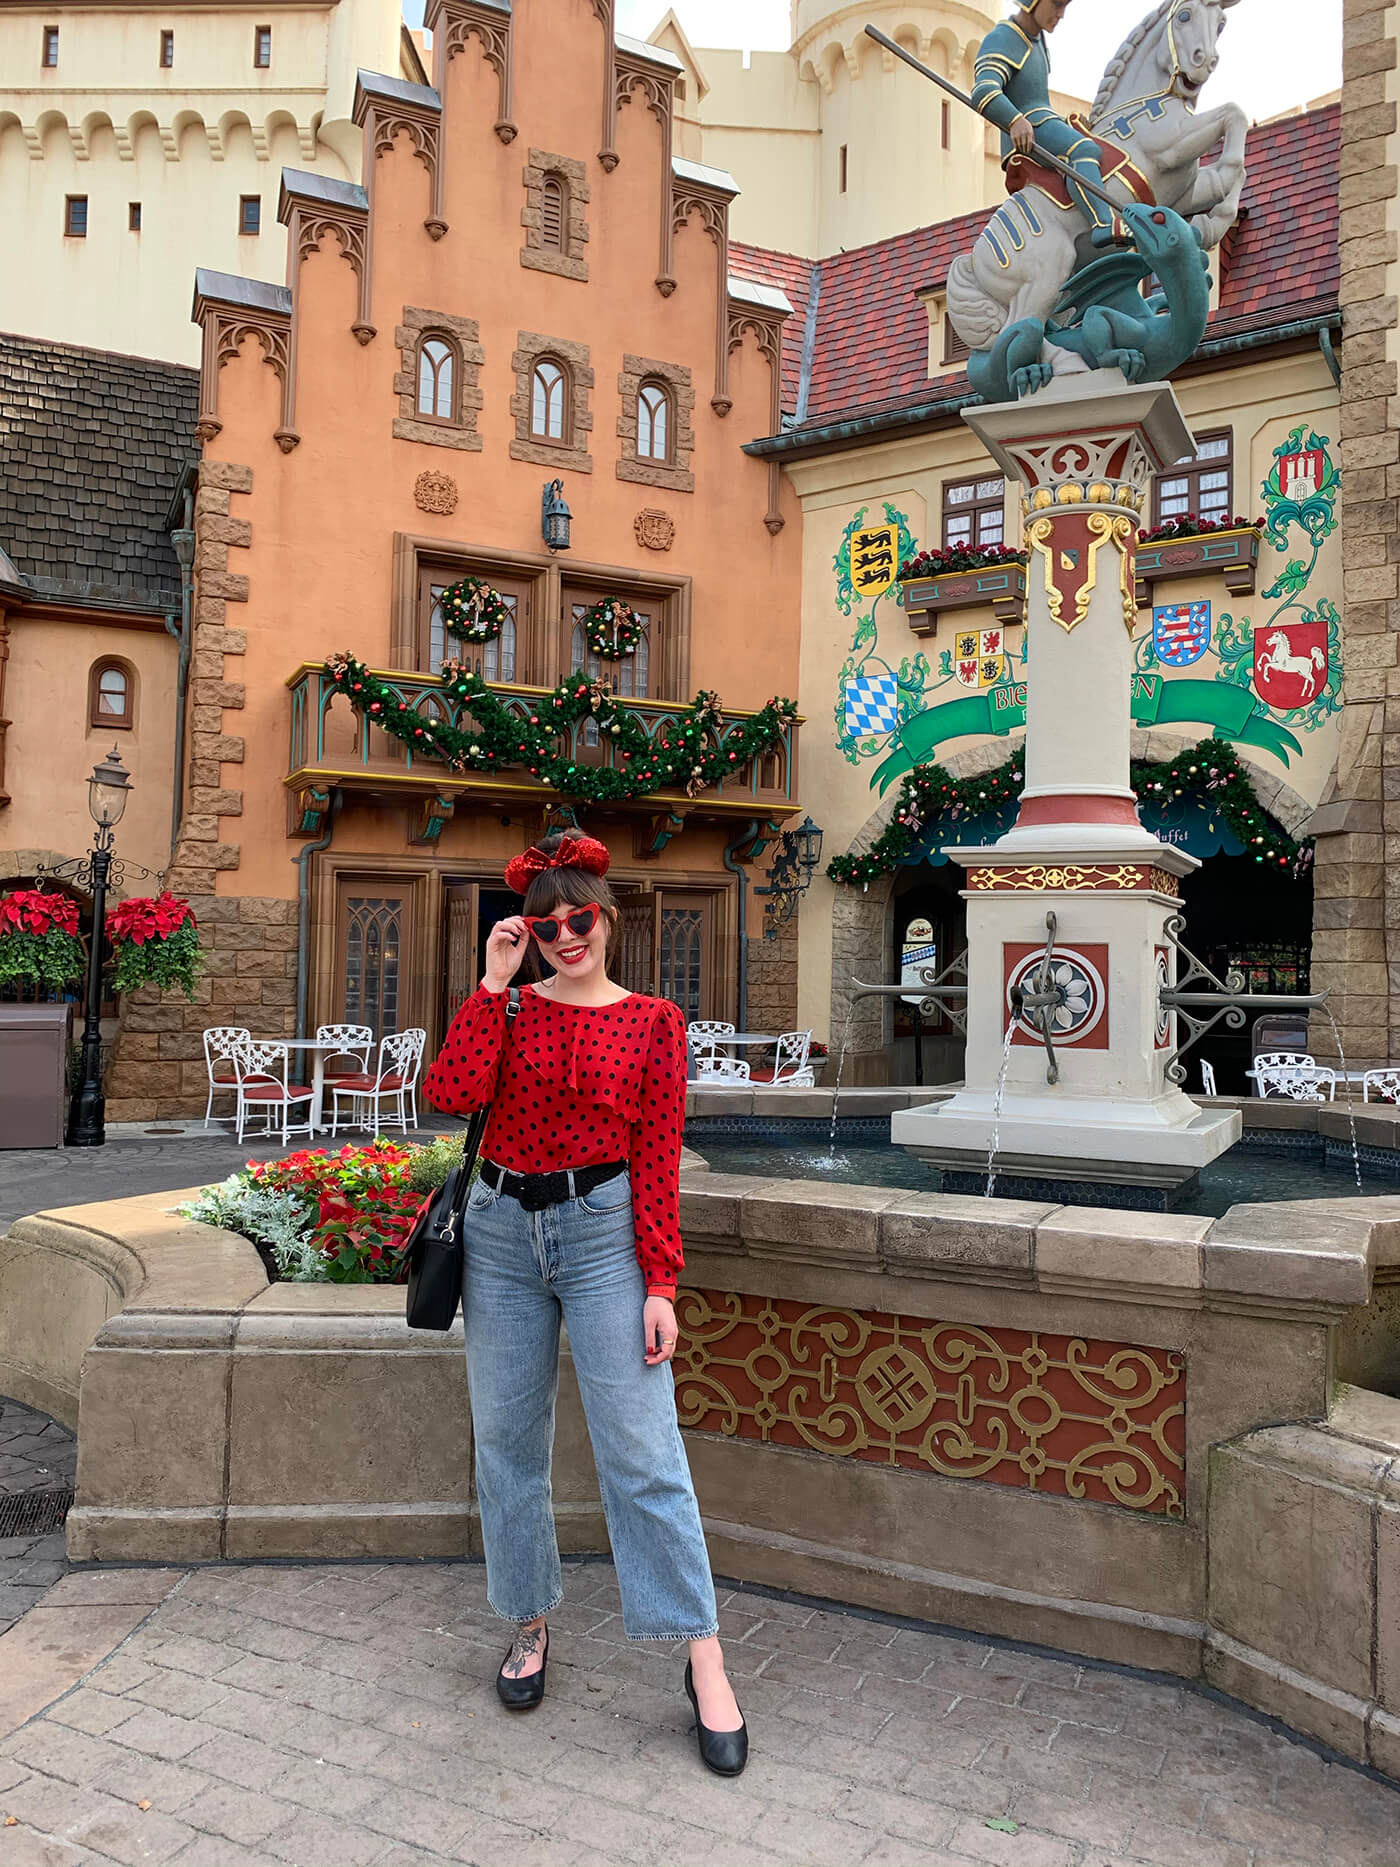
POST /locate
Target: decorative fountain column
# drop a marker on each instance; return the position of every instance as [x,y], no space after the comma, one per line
[1094,1102]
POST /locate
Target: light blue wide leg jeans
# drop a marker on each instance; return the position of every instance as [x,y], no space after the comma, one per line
[524,1272]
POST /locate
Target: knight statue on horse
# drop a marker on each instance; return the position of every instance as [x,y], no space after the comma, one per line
[1035,298]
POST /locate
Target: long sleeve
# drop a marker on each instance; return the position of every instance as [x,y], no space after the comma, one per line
[989,93]
[463,1074]
[656,1155]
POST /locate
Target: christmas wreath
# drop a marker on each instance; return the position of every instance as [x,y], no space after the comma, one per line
[154,942]
[612,629]
[474,611]
[39,939]
[1210,770]
[690,749]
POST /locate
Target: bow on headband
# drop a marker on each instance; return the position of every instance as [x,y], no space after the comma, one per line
[575,852]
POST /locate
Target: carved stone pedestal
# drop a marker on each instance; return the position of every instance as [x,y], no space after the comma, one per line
[1084,456]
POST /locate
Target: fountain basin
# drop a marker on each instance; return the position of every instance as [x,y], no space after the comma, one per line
[1126,1435]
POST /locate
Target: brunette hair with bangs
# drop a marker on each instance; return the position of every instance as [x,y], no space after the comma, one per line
[570,884]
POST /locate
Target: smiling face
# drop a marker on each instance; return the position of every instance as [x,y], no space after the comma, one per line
[573,955]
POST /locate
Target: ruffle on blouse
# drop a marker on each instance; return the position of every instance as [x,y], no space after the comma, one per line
[602,1060]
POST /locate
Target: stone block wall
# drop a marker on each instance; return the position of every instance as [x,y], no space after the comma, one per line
[773,980]
[1356,913]
[250,943]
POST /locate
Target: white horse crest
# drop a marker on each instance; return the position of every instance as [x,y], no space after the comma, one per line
[1276,658]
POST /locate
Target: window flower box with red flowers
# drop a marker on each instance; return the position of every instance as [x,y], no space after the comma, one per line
[39,941]
[963,578]
[154,942]
[1197,547]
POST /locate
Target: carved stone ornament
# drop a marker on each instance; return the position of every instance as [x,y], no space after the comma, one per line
[435,492]
[654,530]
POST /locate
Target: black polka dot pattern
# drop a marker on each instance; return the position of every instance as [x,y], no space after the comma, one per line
[579,1085]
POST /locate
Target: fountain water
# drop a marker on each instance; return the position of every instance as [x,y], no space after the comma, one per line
[994,1138]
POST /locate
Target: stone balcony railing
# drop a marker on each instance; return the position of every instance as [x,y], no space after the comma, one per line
[333,746]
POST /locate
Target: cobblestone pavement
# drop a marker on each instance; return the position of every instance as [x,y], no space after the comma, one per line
[36,1454]
[320,1716]
[34,1179]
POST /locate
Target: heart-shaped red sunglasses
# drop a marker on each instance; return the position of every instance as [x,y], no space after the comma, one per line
[547,928]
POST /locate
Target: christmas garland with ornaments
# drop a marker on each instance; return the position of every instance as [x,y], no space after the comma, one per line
[612,629]
[473,611]
[690,750]
[1210,771]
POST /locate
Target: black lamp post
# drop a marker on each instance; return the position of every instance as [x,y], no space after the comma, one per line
[790,877]
[108,789]
[555,516]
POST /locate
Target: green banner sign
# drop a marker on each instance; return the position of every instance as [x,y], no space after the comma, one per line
[1231,712]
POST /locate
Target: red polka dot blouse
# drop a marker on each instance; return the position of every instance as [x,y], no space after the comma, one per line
[580,1085]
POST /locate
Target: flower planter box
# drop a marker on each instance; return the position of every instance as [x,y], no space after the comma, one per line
[1003,586]
[1234,554]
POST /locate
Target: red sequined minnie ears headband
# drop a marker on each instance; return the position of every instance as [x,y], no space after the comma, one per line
[575,852]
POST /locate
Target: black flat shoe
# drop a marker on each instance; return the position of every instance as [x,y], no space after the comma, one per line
[724,1752]
[522,1694]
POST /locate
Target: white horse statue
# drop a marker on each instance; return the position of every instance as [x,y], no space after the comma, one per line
[1278,658]
[1146,106]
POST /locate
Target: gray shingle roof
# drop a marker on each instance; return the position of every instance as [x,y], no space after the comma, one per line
[93,446]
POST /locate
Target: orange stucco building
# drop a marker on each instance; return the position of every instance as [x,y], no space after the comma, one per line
[529,288]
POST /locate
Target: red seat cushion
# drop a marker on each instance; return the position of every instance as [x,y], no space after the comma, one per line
[273,1092]
[367,1084]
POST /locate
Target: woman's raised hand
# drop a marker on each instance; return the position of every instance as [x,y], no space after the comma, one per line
[505,948]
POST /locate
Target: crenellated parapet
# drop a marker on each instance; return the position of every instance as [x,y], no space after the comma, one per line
[229,311]
[696,190]
[453,24]
[760,311]
[312,206]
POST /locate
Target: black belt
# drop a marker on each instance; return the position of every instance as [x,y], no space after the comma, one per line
[535,1191]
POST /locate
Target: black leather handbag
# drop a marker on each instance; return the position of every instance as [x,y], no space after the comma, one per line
[437,1243]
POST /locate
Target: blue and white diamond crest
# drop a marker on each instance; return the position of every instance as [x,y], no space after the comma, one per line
[872,705]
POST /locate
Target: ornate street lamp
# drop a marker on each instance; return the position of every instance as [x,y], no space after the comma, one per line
[790,877]
[555,516]
[108,789]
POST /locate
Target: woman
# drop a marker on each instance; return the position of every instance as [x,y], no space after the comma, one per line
[575,1213]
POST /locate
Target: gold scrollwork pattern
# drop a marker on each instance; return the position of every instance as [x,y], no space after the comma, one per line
[1064,1415]
[1065,878]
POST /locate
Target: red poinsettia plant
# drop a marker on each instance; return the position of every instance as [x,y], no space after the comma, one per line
[39,939]
[953,558]
[155,941]
[360,1202]
[1192,525]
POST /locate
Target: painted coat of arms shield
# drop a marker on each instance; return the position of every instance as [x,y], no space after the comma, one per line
[1290,663]
[1300,474]
[1180,633]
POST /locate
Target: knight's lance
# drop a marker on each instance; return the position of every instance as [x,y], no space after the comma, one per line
[1040,153]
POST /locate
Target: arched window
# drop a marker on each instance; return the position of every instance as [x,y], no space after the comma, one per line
[554,215]
[437,378]
[111,695]
[549,395]
[654,422]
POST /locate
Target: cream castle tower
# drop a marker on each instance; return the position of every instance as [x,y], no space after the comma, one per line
[835,142]
[140,140]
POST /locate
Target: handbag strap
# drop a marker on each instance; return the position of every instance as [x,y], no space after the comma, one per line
[476,1130]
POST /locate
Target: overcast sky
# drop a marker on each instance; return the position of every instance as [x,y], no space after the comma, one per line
[1273,53]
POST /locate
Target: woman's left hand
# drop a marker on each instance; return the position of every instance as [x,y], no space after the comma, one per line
[659,1330]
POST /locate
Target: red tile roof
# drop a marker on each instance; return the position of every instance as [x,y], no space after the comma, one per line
[871,342]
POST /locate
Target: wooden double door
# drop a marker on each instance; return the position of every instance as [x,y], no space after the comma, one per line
[409,949]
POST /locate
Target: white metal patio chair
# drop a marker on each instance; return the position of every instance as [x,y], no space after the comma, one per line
[704,1035]
[1266,1060]
[264,1082]
[355,1043]
[220,1043]
[792,1068]
[394,1078]
[1208,1087]
[1296,1080]
[1386,1084]
[710,1068]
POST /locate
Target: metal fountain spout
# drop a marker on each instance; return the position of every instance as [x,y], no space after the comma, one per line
[945,993]
[1038,1003]
[1201,1010]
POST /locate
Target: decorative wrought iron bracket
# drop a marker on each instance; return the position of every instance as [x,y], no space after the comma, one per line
[78,870]
[1228,1001]
[943,995]
[1038,1002]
